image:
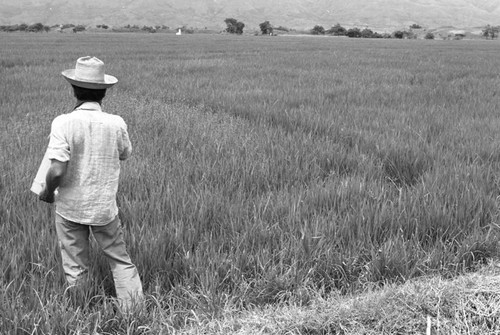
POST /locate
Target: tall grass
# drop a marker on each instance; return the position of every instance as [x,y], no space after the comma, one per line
[264,170]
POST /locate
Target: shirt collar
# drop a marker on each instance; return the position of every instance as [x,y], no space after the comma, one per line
[90,105]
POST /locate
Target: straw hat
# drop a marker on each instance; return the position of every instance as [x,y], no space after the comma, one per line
[89,73]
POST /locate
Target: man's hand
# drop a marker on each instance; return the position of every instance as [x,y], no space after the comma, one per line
[46,196]
[56,171]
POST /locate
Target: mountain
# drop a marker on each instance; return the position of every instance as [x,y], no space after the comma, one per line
[298,14]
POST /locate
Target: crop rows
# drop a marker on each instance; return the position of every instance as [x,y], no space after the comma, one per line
[265,169]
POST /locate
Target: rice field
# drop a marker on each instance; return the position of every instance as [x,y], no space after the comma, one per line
[265,171]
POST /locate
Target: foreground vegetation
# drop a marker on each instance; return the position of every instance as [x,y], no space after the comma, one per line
[266,171]
[468,304]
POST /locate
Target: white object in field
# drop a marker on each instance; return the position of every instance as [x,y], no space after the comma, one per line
[39,181]
[179,32]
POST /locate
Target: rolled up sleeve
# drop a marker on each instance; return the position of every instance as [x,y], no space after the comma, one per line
[58,147]
[124,146]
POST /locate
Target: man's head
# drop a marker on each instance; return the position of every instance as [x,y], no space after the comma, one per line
[87,94]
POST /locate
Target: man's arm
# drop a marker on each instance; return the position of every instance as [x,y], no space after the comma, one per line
[124,145]
[55,174]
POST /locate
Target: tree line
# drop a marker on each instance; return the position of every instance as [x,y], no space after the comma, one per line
[37,27]
[266,28]
[40,27]
[233,26]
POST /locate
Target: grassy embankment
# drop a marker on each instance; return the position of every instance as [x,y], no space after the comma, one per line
[266,171]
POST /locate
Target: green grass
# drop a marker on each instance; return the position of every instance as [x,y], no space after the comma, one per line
[265,171]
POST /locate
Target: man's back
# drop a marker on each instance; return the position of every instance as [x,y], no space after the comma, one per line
[93,143]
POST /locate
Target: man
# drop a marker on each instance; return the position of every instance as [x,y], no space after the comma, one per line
[85,149]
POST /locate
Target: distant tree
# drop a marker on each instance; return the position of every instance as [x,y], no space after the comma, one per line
[234,26]
[353,33]
[9,28]
[23,27]
[429,36]
[415,26]
[404,34]
[266,28]
[337,30]
[36,28]
[491,32]
[46,29]
[14,28]
[367,33]
[398,34]
[79,28]
[149,29]
[67,25]
[318,30]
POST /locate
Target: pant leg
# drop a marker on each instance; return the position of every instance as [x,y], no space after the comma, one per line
[74,246]
[127,282]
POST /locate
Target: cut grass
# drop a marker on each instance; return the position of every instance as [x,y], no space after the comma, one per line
[467,304]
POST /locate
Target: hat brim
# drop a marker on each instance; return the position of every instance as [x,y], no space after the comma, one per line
[109,81]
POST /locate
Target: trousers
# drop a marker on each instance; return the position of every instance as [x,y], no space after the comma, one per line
[75,245]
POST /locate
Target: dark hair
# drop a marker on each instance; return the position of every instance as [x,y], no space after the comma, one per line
[86,94]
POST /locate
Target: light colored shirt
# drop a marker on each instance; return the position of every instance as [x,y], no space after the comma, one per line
[93,143]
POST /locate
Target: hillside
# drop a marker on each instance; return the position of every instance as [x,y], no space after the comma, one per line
[299,14]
